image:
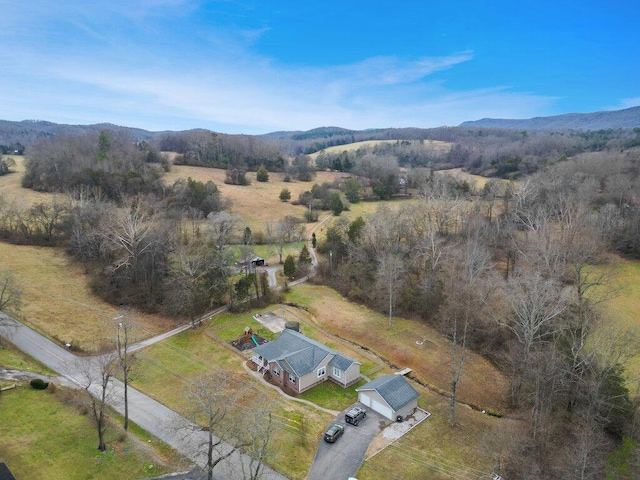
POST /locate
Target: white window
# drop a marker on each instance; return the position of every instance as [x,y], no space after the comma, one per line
[276,371]
[292,379]
[322,371]
[336,372]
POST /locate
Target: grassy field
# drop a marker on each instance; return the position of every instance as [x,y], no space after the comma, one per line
[427,144]
[259,201]
[622,312]
[58,301]
[438,451]
[51,440]
[482,383]
[11,189]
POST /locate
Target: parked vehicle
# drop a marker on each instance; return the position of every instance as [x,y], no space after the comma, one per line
[354,415]
[333,433]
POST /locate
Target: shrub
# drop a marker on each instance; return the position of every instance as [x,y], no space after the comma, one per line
[38,384]
[285,195]
[262,175]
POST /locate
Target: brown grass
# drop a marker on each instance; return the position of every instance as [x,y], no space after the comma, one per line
[482,384]
[437,450]
[259,201]
[458,174]
[59,303]
[10,185]
[434,145]
[622,313]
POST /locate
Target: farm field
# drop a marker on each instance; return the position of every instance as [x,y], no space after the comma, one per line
[257,202]
[11,188]
[349,147]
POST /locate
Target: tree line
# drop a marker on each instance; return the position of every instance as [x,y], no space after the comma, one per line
[155,247]
[518,274]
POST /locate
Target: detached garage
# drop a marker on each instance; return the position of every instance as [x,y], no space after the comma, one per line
[390,396]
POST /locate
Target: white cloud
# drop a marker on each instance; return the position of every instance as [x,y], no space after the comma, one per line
[628,103]
[209,78]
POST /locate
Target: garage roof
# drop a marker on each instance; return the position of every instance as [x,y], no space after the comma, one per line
[394,389]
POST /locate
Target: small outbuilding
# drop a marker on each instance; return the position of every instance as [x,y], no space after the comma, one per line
[390,395]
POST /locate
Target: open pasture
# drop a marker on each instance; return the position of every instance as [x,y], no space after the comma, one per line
[59,303]
[258,202]
[11,188]
[622,311]
[435,145]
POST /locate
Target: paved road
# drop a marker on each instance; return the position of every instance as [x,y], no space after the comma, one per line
[342,459]
[149,414]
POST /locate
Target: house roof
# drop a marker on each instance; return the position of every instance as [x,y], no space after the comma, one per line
[5,473]
[343,363]
[298,354]
[394,389]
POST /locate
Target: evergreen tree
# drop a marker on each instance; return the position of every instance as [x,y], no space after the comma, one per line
[285,195]
[289,266]
[304,260]
[262,175]
[335,204]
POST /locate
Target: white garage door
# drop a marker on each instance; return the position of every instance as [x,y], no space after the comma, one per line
[375,405]
[365,399]
[382,409]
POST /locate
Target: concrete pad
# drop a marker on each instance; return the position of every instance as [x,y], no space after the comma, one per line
[398,429]
[271,321]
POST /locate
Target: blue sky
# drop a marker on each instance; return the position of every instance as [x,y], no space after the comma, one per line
[258,66]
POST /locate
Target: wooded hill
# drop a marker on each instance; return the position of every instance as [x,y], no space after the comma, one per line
[627,118]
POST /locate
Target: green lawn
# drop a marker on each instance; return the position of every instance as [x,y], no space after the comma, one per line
[331,395]
[229,327]
[51,440]
[269,252]
[13,359]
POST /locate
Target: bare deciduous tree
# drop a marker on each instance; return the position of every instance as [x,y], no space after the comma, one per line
[257,429]
[95,376]
[391,269]
[212,400]
[10,292]
[124,327]
[222,225]
[535,303]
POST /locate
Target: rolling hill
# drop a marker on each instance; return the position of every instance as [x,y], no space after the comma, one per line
[627,118]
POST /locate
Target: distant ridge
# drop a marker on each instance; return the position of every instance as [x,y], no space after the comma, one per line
[627,118]
[29,131]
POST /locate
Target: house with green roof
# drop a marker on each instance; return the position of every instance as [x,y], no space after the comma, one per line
[299,363]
